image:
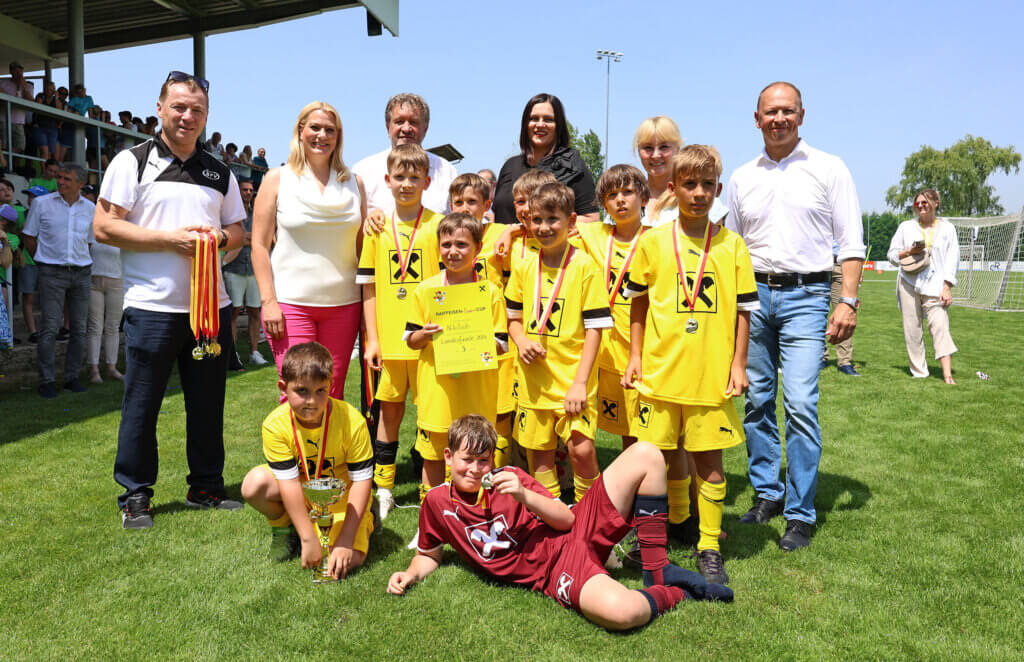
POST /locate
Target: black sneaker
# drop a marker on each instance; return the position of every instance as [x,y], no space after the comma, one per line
[135,513]
[63,334]
[762,511]
[711,565]
[687,532]
[235,363]
[797,535]
[284,543]
[205,500]
[74,386]
[48,390]
[33,337]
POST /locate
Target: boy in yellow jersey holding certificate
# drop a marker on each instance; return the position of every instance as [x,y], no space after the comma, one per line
[442,398]
[392,263]
[623,191]
[556,309]
[470,193]
[312,435]
[693,288]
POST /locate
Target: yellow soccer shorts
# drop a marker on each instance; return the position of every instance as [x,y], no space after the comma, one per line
[397,378]
[540,429]
[431,444]
[702,428]
[362,540]
[506,379]
[616,406]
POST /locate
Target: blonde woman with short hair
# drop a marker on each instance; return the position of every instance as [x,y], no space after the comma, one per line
[311,212]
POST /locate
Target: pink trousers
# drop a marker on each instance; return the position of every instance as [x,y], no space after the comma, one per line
[334,327]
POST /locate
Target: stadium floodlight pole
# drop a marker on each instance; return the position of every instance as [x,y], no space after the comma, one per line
[609,57]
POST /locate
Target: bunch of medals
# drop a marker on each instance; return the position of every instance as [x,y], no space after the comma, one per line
[204,303]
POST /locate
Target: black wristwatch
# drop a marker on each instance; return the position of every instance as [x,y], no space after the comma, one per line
[223,239]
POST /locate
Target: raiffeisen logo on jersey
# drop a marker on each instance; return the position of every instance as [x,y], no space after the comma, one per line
[211,175]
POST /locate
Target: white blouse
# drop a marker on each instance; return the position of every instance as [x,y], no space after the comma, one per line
[944,249]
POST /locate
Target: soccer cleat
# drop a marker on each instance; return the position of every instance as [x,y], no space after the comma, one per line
[797,535]
[686,532]
[387,501]
[284,543]
[849,370]
[257,359]
[206,500]
[711,566]
[135,513]
[762,511]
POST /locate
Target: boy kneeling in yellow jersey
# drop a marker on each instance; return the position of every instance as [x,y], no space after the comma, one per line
[312,435]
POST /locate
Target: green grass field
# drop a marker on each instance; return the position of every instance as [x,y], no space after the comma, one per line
[919,552]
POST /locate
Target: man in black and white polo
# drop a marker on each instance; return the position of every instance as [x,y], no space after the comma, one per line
[155,200]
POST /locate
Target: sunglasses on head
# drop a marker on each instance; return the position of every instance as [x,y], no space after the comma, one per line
[182,77]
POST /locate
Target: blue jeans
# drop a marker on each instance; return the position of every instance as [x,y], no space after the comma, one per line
[154,343]
[57,285]
[789,329]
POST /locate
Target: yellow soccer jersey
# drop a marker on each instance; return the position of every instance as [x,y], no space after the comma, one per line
[593,239]
[441,399]
[380,264]
[679,366]
[520,248]
[581,304]
[348,455]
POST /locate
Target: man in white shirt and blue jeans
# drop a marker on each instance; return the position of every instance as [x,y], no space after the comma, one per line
[57,234]
[156,200]
[789,205]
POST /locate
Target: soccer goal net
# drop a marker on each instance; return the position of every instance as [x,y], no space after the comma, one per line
[991,273]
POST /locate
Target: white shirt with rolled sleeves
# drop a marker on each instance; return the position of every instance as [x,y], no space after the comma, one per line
[63,232]
[170,195]
[944,260]
[378,196]
[790,212]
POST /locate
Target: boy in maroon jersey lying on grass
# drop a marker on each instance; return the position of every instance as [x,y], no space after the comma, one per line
[508,526]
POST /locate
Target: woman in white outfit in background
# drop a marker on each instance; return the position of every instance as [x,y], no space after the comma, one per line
[925,296]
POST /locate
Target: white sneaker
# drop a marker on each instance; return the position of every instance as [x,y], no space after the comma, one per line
[257,358]
[415,542]
[387,501]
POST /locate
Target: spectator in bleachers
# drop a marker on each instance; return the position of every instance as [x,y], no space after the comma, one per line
[106,297]
[241,283]
[26,274]
[57,234]
[48,180]
[245,158]
[16,86]
[230,153]
[214,147]
[126,120]
[80,102]
[260,161]
[65,130]
[8,248]
[89,192]
[138,124]
[44,129]
[150,128]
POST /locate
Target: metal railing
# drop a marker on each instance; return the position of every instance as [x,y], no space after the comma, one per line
[82,126]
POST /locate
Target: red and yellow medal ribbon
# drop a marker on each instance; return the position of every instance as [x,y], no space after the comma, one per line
[403,258]
[204,293]
[542,320]
[323,442]
[691,301]
[613,291]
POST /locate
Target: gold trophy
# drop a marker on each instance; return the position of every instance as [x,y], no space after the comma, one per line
[321,494]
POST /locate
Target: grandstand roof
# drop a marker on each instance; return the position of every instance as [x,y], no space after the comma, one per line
[33,31]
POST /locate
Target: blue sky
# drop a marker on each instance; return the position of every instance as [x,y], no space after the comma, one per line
[879,79]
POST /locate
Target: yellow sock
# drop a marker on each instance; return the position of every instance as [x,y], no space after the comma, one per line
[710,506]
[582,485]
[384,476]
[549,479]
[447,474]
[283,520]
[424,488]
[678,500]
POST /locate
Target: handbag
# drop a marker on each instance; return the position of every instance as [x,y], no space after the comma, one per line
[912,264]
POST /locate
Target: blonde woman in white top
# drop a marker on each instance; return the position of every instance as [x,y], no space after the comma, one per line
[657,141]
[927,294]
[311,212]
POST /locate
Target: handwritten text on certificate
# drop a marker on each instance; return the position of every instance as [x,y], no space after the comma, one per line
[466,343]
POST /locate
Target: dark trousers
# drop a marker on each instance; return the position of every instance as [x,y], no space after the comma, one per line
[56,284]
[154,342]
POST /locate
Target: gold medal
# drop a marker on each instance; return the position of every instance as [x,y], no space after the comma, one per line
[401,293]
[215,348]
[197,353]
